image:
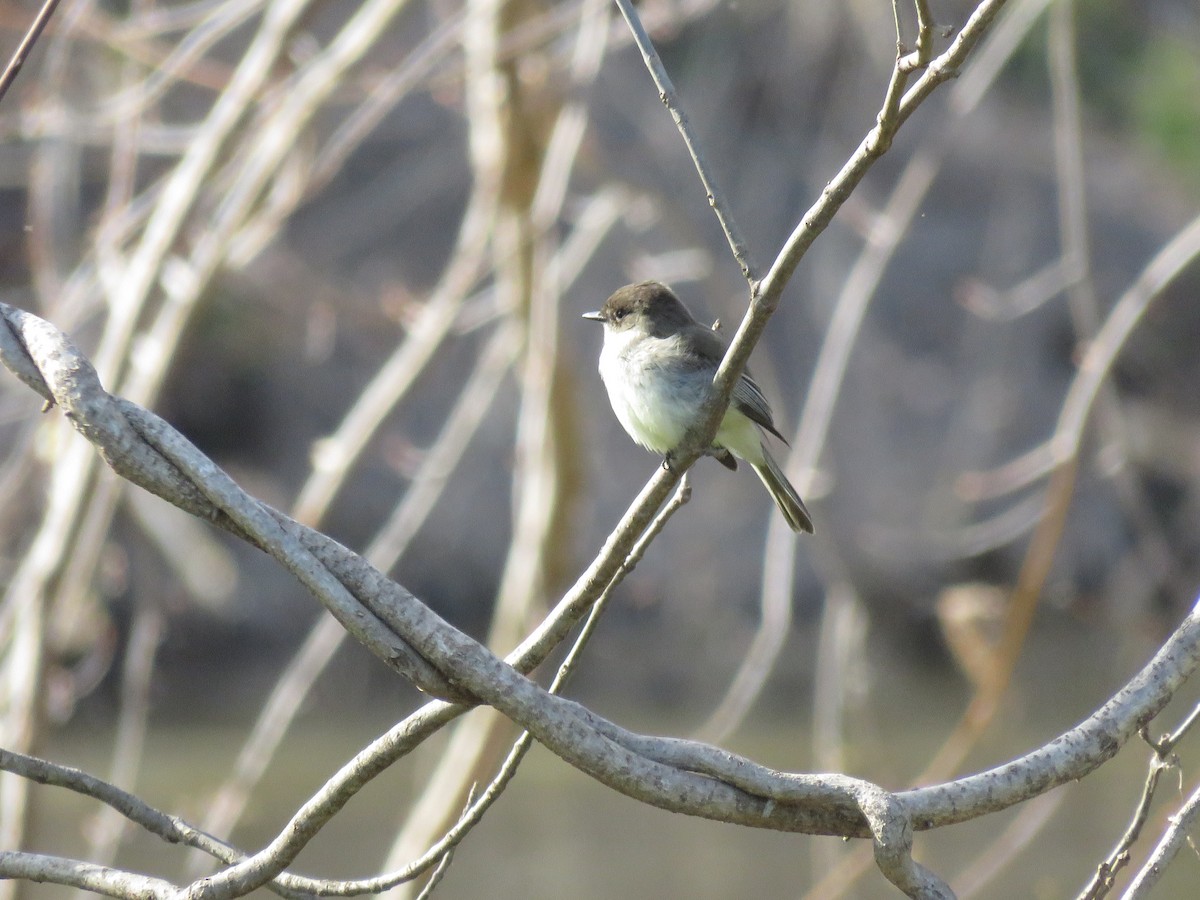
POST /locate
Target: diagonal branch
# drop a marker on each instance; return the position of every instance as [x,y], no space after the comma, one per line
[765,295]
[670,99]
[677,775]
[40,21]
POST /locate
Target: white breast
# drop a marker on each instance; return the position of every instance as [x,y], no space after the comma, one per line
[652,406]
[656,405]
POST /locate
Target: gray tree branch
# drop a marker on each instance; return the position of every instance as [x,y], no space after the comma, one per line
[678,775]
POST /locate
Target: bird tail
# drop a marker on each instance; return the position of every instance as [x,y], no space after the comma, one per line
[783,493]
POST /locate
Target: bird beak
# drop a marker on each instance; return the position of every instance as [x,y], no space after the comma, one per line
[594,316]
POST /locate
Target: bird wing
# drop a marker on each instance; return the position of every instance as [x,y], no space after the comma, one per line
[748,399]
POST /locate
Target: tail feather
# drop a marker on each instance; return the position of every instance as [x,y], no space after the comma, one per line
[783,494]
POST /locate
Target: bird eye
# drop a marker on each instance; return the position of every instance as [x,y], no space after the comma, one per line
[620,314]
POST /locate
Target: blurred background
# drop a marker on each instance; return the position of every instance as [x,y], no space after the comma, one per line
[345,247]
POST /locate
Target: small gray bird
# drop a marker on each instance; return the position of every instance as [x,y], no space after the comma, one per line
[658,364]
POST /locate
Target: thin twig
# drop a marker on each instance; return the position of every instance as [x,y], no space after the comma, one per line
[22,52]
[1174,837]
[1162,760]
[1106,873]
[766,294]
[444,864]
[670,99]
[816,417]
[475,811]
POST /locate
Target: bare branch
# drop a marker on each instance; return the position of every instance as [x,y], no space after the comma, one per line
[766,294]
[684,776]
[169,828]
[1079,751]
[110,882]
[678,775]
[1173,839]
[670,99]
[22,52]
[810,436]
[1163,760]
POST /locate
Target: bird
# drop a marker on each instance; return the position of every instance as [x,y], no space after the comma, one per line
[657,364]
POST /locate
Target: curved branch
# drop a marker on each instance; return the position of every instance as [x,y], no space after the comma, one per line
[677,775]
[84,875]
[1073,754]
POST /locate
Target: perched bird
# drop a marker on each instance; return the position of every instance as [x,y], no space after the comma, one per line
[658,364]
